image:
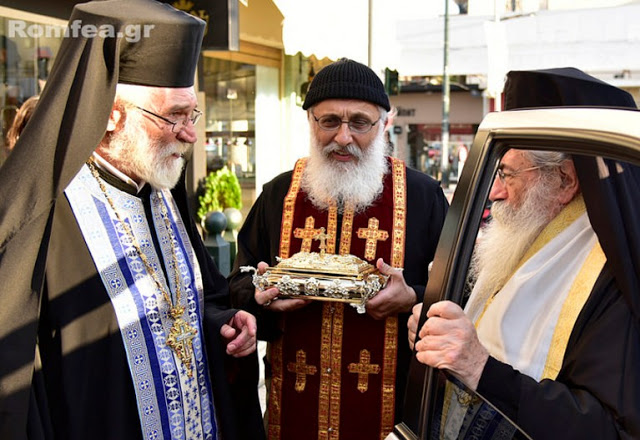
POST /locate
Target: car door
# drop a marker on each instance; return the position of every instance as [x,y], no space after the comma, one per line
[608,133]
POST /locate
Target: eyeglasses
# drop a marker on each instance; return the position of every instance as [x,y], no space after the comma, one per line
[333,123]
[178,125]
[502,175]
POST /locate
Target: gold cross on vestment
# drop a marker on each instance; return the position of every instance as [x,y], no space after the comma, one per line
[180,340]
[307,234]
[323,240]
[372,235]
[301,369]
[364,369]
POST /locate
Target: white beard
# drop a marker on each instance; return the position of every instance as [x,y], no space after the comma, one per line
[509,235]
[357,183]
[135,153]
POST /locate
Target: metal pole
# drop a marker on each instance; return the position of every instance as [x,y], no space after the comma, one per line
[444,158]
[369,34]
[497,100]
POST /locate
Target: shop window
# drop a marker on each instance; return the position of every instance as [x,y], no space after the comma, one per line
[27,50]
[230,90]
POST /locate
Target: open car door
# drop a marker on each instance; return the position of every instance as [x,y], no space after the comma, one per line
[587,134]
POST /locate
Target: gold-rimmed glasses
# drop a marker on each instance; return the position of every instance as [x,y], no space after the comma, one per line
[194,117]
[503,175]
[357,124]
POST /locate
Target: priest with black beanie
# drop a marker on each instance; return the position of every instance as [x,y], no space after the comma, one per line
[333,371]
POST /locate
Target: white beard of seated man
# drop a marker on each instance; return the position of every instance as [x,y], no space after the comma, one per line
[513,229]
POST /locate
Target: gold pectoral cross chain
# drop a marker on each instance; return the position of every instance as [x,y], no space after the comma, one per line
[181,334]
[180,338]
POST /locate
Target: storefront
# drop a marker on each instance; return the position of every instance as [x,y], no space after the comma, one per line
[239,81]
[242,124]
[416,134]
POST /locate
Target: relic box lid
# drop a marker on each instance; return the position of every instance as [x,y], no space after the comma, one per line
[330,265]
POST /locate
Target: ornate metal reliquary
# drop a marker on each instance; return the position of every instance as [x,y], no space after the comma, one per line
[323,277]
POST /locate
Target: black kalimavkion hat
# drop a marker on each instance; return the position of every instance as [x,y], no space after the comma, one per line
[157,45]
[566,86]
[347,79]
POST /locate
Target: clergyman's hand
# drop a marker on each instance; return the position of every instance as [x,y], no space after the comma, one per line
[396,297]
[412,323]
[267,298]
[240,334]
[449,341]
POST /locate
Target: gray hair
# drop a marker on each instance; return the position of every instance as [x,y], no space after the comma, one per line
[549,163]
[546,159]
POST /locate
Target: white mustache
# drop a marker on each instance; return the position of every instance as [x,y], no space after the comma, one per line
[351,149]
[178,148]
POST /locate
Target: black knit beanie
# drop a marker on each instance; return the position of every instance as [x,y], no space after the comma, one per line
[346,79]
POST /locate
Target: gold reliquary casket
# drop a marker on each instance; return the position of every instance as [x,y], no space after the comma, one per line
[323,277]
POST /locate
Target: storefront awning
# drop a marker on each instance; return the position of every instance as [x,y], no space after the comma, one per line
[340,28]
[329,29]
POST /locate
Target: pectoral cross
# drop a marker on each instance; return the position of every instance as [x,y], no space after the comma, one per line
[372,235]
[301,369]
[363,369]
[180,340]
[323,240]
[307,234]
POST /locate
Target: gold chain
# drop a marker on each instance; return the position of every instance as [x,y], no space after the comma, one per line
[134,241]
[180,338]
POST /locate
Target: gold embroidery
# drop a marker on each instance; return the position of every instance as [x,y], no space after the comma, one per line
[275,392]
[389,376]
[578,295]
[363,369]
[301,369]
[307,234]
[372,235]
[391,323]
[289,206]
[332,227]
[336,369]
[399,212]
[325,372]
[347,227]
[331,366]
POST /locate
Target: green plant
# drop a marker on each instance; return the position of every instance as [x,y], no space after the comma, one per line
[221,189]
